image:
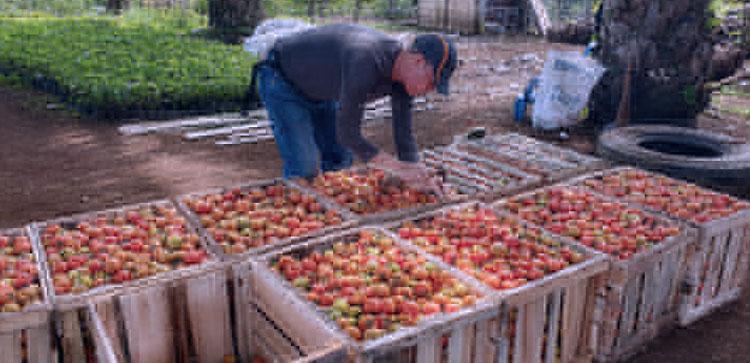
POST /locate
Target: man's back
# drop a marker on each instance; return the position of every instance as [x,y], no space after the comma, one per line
[323,61]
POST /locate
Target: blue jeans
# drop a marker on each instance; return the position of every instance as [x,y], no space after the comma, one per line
[305,130]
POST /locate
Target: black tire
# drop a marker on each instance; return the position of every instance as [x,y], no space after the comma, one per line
[700,156]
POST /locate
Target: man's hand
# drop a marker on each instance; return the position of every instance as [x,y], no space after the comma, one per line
[414,175]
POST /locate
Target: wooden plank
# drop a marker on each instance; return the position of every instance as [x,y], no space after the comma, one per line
[103,352]
[744,259]
[714,267]
[483,349]
[71,339]
[106,310]
[534,327]
[39,344]
[229,130]
[10,347]
[503,343]
[209,316]
[572,342]
[245,140]
[216,120]
[428,349]
[520,330]
[147,326]
[267,335]
[242,301]
[733,253]
[649,294]
[553,323]
[628,305]
[459,344]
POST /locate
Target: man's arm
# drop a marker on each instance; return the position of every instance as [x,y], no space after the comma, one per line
[358,77]
[403,138]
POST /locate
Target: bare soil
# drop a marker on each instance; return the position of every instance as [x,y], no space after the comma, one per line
[54,164]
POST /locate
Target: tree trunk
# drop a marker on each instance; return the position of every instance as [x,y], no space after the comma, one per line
[117,6]
[310,8]
[357,9]
[233,14]
[669,44]
[391,9]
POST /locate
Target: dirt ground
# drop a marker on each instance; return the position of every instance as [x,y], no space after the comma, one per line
[53,164]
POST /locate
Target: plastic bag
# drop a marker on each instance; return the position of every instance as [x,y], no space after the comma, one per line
[566,83]
[269,31]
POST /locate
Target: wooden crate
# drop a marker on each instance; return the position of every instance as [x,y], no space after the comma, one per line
[718,262]
[451,197]
[465,337]
[482,178]
[257,334]
[551,163]
[348,219]
[642,294]
[557,313]
[25,336]
[185,319]
[71,301]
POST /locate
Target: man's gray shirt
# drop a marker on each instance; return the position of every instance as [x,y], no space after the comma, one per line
[350,64]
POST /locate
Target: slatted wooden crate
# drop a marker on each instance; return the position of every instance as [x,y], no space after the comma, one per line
[25,336]
[72,328]
[455,337]
[642,295]
[450,196]
[186,319]
[348,220]
[551,163]
[718,263]
[553,319]
[478,177]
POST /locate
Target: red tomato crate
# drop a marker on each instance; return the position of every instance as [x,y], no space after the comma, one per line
[450,197]
[476,177]
[193,294]
[551,319]
[718,263]
[643,291]
[25,335]
[454,337]
[550,162]
[226,253]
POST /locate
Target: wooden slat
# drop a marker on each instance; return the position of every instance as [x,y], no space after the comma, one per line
[271,339]
[39,347]
[503,342]
[633,293]
[428,349]
[72,339]
[732,256]
[147,326]
[573,314]
[229,130]
[482,348]
[459,344]
[10,347]
[209,317]
[744,259]
[520,330]
[554,327]
[714,267]
[535,316]
[242,301]
[650,293]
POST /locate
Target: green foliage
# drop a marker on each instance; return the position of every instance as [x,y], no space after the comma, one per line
[142,61]
[34,8]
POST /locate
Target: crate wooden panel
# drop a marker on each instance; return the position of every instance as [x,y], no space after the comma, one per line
[257,334]
[450,197]
[420,342]
[478,177]
[556,313]
[72,300]
[185,319]
[552,163]
[29,328]
[348,219]
[718,262]
[642,295]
